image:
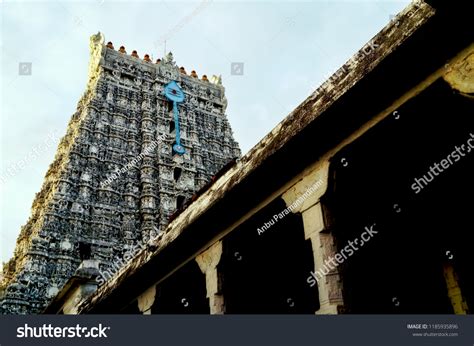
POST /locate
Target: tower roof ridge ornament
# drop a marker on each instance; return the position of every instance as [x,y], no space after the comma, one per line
[166,62]
[169,59]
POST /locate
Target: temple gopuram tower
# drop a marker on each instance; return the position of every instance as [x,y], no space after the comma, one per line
[144,138]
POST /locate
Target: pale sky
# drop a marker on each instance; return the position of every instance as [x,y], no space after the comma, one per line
[288,49]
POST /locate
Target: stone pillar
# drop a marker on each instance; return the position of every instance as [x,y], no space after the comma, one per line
[208,261]
[305,197]
[454,290]
[326,275]
[146,300]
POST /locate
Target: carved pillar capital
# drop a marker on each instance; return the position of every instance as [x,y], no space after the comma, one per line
[208,261]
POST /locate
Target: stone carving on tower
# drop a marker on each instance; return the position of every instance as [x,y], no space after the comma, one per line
[115,179]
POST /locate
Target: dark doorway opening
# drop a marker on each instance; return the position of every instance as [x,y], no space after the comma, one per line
[177,173]
[267,273]
[401,269]
[184,292]
[180,202]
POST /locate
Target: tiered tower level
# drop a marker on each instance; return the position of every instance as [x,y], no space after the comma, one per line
[116,179]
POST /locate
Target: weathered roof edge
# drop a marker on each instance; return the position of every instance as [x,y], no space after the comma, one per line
[386,41]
